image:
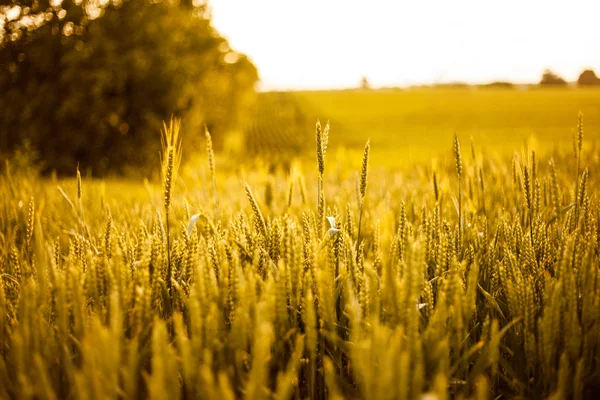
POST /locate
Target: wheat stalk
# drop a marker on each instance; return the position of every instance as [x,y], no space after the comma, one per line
[171,158]
[459,173]
[259,220]
[363,191]
[577,146]
[211,166]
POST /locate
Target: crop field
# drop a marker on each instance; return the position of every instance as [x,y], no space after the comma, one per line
[369,274]
[413,125]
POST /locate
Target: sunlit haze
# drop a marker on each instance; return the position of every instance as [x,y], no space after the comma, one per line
[333,43]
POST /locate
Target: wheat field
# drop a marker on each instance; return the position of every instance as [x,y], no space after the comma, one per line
[411,126]
[476,277]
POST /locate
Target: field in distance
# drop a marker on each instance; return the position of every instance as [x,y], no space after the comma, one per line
[414,125]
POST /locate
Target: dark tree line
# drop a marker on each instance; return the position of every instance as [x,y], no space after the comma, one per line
[586,78]
[91,81]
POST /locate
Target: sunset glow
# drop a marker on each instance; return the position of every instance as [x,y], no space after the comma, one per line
[404,43]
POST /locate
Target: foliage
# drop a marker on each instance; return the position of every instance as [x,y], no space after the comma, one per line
[550,78]
[364,83]
[588,78]
[280,296]
[95,91]
[498,85]
[278,129]
[25,162]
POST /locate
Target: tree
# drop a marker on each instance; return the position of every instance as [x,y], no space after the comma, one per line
[92,85]
[550,78]
[364,83]
[588,78]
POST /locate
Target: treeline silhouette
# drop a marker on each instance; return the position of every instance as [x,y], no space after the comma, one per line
[91,82]
[586,78]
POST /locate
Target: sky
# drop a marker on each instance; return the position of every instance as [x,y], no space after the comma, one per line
[322,44]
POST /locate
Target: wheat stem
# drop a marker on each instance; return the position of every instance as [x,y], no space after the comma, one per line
[363,192]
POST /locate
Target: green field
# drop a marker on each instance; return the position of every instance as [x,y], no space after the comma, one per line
[417,124]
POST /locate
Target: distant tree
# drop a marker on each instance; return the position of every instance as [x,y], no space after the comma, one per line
[91,84]
[550,78]
[499,84]
[588,78]
[364,83]
[452,85]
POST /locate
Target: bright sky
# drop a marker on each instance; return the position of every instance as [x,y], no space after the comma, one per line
[333,43]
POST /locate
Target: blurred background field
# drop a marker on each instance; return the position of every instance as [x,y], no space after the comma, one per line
[415,124]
